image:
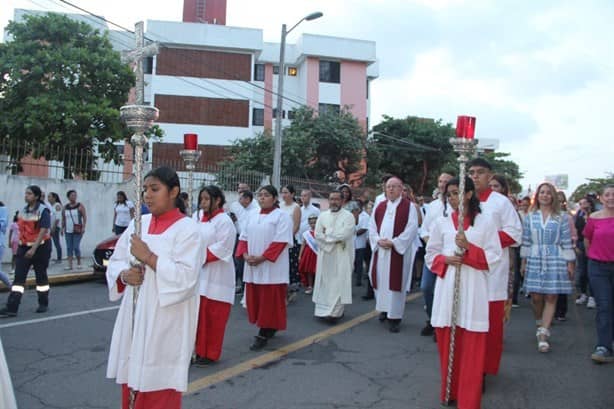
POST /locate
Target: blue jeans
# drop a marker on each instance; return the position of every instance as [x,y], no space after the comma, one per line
[56,243]
[3,277]
[601,276]
[73,241]
[427,286]
[582,283]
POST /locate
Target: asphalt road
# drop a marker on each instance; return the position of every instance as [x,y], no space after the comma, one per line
[58,360]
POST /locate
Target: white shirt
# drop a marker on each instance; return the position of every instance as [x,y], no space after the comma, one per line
[473,291]
[217,278]
[260,231]
[122,213]
[360,242]
[158,355]
[434,210]
[504,217]
[241,212]
[306,211]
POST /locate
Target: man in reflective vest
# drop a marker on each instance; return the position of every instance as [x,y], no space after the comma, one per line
[34,251]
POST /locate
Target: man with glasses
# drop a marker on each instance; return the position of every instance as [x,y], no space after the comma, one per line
[392,230]
[509,229]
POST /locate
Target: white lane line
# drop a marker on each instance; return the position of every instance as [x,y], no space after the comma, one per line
[58,317]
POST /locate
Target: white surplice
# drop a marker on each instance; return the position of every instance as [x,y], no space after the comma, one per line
[7,396]
[386,300]
[333,284]
[473,291]
[506,219]
[217,279]
[260,231]
[158,356]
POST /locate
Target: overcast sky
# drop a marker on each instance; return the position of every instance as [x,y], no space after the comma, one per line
[538,75]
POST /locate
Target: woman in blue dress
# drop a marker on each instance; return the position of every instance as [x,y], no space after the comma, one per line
[548,259]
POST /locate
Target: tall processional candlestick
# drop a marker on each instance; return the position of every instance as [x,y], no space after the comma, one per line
[190,155]
[464,144]
[138,118]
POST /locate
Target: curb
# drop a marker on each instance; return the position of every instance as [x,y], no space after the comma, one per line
[75,277]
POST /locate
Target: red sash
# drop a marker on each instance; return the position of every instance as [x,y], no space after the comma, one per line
[401,219]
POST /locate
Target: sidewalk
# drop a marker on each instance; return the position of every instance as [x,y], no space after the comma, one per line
[57,273]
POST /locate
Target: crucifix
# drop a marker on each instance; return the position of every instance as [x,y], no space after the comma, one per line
[139,118]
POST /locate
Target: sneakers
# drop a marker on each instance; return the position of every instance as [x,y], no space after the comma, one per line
[591,303]
[542,339]
[581,300]
[309,290]
[602,355]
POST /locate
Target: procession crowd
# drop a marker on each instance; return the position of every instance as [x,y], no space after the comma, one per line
[472,248]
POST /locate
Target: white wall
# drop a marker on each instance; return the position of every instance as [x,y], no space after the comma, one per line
[98,199]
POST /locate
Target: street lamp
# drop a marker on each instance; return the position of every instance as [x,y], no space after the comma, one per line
[280,90]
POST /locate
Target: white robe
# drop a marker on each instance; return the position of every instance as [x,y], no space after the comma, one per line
[473,291]
[505,218]
[333,283]
[217,279]
[392,302]
[260,231]
[158,356]
[7,396]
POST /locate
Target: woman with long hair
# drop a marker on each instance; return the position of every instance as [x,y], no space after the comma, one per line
[74,220]
[599,240]
[56,223]
[123,212]
[263,245]
[548,259]
[217,274]
[151,354]
[34,251]
[288,205]
[481,249]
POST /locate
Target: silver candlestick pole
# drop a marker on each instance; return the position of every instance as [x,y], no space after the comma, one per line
[190,157]
[465,148]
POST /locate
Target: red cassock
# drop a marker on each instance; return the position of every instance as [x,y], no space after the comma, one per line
[307,263]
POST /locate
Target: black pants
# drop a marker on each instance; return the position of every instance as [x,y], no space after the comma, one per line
[359,269]
[40,262]
[561,306]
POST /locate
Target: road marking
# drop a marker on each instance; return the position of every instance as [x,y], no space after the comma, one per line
[59,317]
[277,354]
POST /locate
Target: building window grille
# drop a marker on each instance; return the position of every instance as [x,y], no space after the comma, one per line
[258,117]
[330,71]
[258,72]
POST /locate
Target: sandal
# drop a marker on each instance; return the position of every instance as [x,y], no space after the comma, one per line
[542,339]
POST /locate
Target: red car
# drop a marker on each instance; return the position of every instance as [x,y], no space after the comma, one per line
[103,252]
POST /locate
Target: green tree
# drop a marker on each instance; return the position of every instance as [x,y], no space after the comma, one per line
[62,85]
[505,167]
[415,149]
[315,146]
[594,185]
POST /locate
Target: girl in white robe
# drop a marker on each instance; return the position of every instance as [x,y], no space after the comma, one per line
[152,357]
[263,244]
[482,251]
[217,274]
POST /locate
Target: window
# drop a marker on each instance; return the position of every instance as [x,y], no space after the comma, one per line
[275,69]
[148,65]
[258,72]
[329,71]
[292,71]
[328,108]
[258,116]
[291,114]
[283,113]
[367,89]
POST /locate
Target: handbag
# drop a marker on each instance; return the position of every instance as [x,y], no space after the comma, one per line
[77,228]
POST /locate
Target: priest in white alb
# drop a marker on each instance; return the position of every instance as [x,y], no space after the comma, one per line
[392,230]
[335,236]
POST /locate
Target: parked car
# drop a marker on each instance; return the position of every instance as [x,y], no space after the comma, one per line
[103,252]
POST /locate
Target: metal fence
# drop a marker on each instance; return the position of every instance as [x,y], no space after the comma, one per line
[29,159]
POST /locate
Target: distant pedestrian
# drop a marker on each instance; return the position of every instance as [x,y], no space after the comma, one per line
[14,238]
[123,212]
[548,259]
[263,245]
[288,205]
[599,241]
[74,220]
[217,274]
[239,210]
[4,221]
[308,256]
[56,223]
[335,236]
[582,282]
[34,251]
